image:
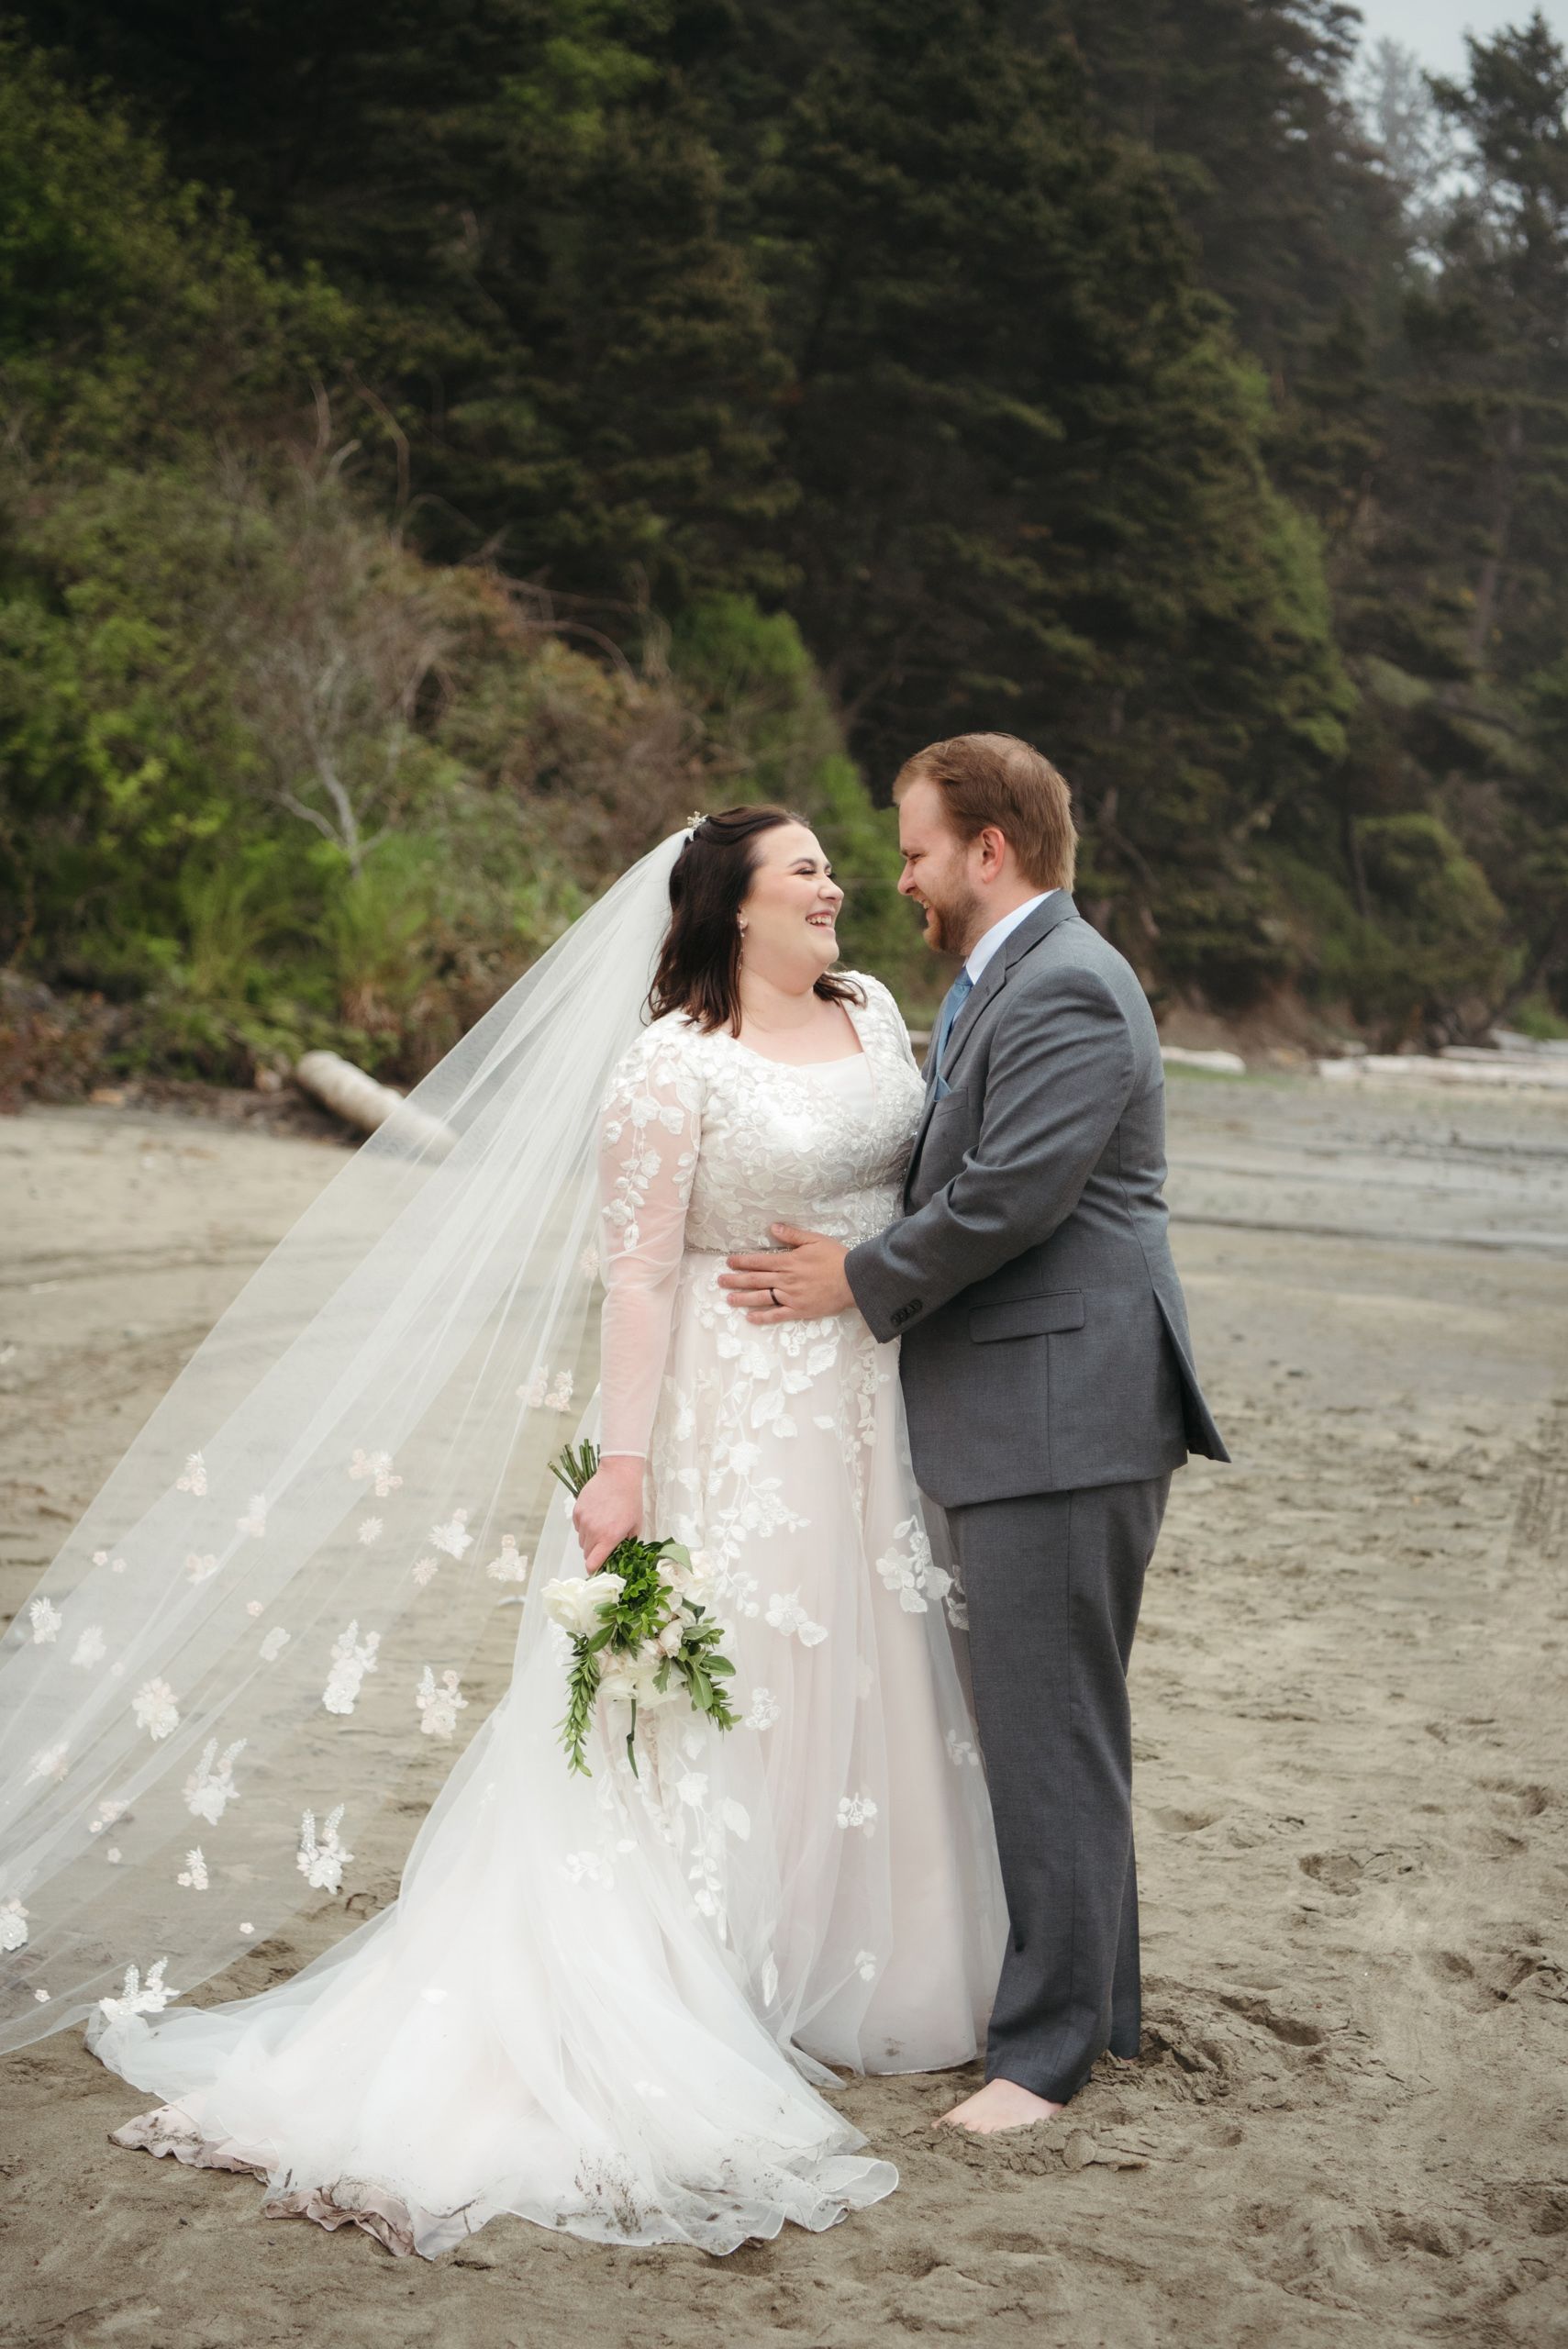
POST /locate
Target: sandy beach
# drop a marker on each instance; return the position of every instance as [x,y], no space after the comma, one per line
[1348,2121]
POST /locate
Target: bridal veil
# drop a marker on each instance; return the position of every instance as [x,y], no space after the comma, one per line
[274,1601]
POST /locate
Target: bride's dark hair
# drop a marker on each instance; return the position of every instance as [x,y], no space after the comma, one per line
[699,962]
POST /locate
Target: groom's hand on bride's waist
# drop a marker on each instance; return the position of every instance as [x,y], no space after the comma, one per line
[800,1280]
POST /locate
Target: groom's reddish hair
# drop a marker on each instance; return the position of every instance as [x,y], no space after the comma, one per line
[997,779]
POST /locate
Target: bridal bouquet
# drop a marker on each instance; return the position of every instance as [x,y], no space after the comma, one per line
[639,1628]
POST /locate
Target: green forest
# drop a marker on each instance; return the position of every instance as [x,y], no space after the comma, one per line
[440,448]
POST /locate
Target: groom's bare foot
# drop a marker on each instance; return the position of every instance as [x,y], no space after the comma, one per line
[1000,2104]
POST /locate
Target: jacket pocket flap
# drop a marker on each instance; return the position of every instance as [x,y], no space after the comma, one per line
[1028,1316]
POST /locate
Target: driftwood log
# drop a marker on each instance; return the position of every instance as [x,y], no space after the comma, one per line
[364,1103]
[1510,1071]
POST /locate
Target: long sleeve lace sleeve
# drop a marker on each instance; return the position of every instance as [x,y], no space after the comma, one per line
[650,1129]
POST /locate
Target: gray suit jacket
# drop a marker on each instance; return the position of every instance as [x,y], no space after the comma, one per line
[1045,1342]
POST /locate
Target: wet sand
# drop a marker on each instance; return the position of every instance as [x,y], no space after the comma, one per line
[1348,2121]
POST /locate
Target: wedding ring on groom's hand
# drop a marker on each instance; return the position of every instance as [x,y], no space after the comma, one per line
[774,1295]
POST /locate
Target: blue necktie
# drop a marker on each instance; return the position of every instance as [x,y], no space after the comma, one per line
[953,1002]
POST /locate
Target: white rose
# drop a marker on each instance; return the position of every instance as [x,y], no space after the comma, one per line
[562,1602]
[616,1679]
[670,1637]
[632,1679]
[574,1602]
[626,1677]
[701,1586]
[648,1695]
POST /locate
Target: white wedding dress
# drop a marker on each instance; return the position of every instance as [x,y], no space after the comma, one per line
[601,2003]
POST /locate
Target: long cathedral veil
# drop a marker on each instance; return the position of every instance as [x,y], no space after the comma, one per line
[272,1604]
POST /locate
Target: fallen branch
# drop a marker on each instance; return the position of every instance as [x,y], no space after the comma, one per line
[362,1102]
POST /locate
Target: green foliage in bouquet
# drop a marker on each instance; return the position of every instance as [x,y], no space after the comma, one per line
[637,1629]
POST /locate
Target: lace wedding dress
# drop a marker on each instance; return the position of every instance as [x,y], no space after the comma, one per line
[603,2003]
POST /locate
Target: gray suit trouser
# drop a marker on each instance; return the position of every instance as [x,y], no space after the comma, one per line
[1053,1582]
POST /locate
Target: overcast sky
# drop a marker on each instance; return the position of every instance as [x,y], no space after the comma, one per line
[1435,29]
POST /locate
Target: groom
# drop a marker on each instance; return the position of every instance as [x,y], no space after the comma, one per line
[1047,1371]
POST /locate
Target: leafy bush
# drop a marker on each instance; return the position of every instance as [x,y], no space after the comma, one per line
[771,735]
[1431,947]
[49,1050]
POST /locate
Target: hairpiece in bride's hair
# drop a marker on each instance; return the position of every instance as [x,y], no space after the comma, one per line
[695,818]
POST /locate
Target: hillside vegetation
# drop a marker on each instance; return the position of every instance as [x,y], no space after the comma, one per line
[442,447]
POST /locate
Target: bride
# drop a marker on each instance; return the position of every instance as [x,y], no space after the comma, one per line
[605,2003]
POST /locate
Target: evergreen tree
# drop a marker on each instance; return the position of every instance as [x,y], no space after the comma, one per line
[1447,570]
[1491,344]
[1244,102]
[1495,335]
[554,332]
[1091,370]
[1028,462]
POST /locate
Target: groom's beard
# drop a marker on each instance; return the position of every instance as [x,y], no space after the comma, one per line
[952,929]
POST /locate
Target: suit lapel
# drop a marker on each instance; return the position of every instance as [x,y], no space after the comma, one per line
[1058,908]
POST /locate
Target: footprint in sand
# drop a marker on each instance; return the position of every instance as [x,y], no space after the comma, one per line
[1335,1871]
[1523,1800]
[1489,1977]
[1294,2030]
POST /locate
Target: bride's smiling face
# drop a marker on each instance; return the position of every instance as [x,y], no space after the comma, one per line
[791,907]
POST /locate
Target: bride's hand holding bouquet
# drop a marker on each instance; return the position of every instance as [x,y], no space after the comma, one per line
[608,1509]
[639,1624]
